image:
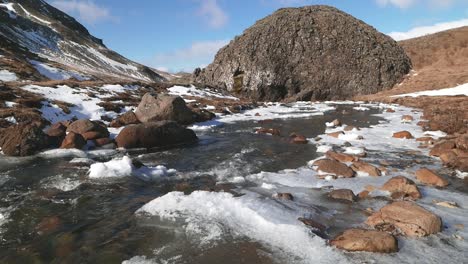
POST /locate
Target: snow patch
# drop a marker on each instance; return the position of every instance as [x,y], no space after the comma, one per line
[7,76]
[55,73]
[458,90]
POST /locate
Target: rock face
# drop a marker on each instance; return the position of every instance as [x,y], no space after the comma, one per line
[154,134]
[407,218]
[312,52]
[23,140]
[160,107]
[366,240]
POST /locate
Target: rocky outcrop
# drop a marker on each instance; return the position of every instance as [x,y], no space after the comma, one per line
[366,240]
[406,218]
[23,140]
[312,52]
[154,134]
[160,107]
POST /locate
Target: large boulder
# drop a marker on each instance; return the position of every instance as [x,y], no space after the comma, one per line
[154,134]
[406,218]
[160,107]
[23,140]
[366,240]
[312,52]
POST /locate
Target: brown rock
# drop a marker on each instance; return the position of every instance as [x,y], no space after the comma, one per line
[336,122]
[360,166]
[271,131]
[402,187]
[364,194]
[23,139]
[73,141]
[462,142]
[349,128]
[129,118]
[102,141]
[406,218]
[425,139]
[442,147]
[343,194]
[154,134]
[336,134]
[89,129]
[403,134]
[341,157]
[164,107]
[428,177]
[448,158]
[299,139]
[56,130]
[407,118]
[366,240]
[334,167]
[390,110]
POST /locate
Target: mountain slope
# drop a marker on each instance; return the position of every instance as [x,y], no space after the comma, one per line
[38,36]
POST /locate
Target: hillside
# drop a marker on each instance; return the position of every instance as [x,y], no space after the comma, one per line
[40,42]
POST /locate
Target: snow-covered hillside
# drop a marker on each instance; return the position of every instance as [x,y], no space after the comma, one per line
[35,31]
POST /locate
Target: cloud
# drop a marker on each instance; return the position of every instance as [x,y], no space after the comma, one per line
[86,10]
[426,30]
[198,54]
[213,13]
[398,3]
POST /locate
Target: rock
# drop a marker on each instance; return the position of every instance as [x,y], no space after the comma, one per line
[425,139]
[100,142]
[88,129]
[129,118]
[335,134]
[23,139]
[447,204]
[341,157]
[390,110]
[56,130]
[336,123]
[403,134]
[160,107]
[334,167]
[407,119]
[448,158]
[202,115]
[284,196]
[442,147]
[299,139]
[343,194]
[406,218]
[462,142]
[48,225]
[428,177]
[312,52]
[154,134]
[366,240]
[350,128]
[363,195]
[317,228]
[360,166]
[73,141]
[402,188]
[271,131]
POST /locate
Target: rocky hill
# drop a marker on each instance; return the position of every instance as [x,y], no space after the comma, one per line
[313,52]
[40,42]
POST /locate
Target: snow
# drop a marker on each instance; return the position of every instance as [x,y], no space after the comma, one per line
[11,119]
[324,148]
[262,220]
[11,10]
[85,106]
[458,90]
[10,104]
[7,76]
[33,16]
[56,74]
[123,167]
[195,92]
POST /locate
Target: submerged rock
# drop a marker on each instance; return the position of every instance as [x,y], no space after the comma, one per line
[366,240]
[312,52]
[160,107]
[154,134]
[406,218]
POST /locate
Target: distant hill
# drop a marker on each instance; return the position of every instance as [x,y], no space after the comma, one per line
[40,42]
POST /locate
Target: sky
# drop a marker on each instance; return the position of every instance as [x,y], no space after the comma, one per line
[180,35]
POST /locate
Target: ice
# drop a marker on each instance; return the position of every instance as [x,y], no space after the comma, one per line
[10,104]
[56,74]
[324,148]
[196,92]
[458,90]
[361,108]
[7,76]
[354,151]
[264,221]
[123,167]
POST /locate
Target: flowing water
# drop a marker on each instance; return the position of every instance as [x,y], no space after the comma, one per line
[217,209]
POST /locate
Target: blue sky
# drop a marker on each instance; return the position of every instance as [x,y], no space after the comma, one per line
[183,34]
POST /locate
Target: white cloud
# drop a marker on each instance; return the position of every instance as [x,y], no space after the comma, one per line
[198,54]
[397,3]
[426,30]
[213,13]
[86,10]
